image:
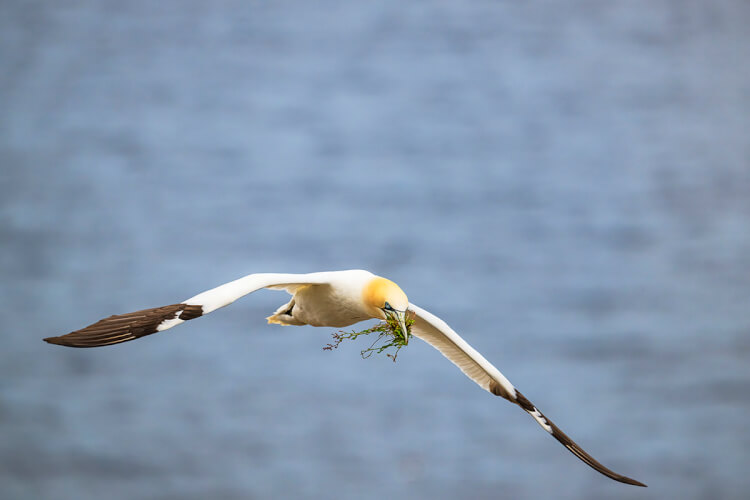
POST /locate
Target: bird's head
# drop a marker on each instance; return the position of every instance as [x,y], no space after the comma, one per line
[384,299]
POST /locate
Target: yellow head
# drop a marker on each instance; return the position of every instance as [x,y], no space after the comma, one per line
[381,294]
[384,299]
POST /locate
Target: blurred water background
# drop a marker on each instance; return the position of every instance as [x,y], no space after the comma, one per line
[565,183]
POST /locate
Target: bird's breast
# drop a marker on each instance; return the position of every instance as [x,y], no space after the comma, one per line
[325,306]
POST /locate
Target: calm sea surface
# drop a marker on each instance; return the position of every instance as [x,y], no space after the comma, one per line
[567,185]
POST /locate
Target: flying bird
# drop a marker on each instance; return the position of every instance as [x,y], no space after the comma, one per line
[332,299]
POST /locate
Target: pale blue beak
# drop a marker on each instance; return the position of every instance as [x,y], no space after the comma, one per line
[400,317]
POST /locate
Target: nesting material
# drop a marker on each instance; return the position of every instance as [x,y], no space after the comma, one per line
[389,335]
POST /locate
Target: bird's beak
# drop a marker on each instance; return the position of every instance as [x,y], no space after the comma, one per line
[401,318]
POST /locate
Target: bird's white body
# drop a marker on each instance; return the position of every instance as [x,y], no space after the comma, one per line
[336,302]
[334,299]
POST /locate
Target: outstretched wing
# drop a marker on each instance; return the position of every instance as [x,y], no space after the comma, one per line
[130,326]
[438,334]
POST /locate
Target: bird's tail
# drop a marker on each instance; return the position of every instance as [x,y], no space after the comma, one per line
[284,315]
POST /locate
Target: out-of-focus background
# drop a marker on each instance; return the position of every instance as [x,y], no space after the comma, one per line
[566,184]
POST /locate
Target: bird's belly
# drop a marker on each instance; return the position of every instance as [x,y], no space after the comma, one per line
[325,309]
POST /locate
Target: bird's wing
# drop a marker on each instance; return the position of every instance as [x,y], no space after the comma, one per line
[129,326]
[438,334]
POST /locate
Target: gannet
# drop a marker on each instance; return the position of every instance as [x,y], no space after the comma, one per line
[330,299]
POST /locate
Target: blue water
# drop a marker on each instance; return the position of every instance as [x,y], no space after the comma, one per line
[565,184]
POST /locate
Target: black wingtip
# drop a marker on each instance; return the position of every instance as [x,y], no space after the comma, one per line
[571,445]
[588,459]
[77,342]
[126,327]
[579,452]
[628,480]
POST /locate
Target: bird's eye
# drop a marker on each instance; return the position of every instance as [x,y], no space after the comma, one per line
[388,307]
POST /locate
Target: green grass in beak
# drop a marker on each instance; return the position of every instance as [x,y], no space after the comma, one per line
[389,335]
